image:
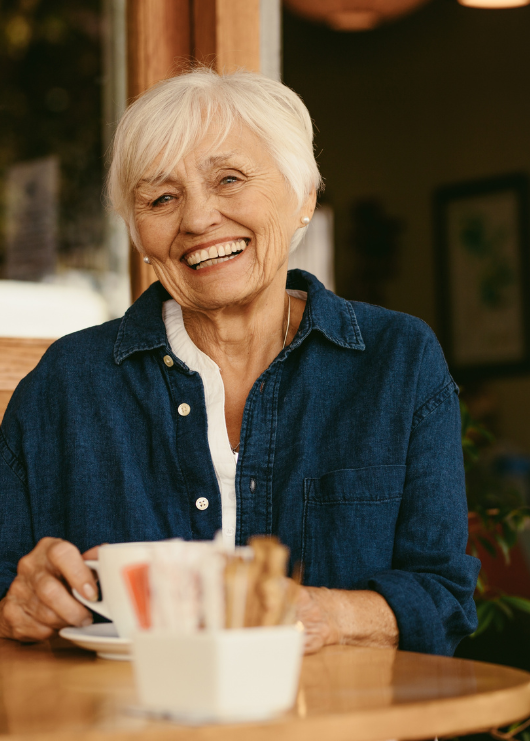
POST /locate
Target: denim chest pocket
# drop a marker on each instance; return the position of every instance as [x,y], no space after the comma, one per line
[349,525]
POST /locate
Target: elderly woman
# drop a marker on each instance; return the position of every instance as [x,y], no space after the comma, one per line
[235,396]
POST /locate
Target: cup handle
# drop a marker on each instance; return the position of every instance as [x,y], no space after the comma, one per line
[100,606]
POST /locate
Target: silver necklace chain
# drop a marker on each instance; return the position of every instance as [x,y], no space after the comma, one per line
[288,321]
[236,447]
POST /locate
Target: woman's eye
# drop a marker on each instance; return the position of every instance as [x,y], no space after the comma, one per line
[229,179]
[162,200]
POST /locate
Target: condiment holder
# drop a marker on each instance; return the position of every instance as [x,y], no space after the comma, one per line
[216,638]
[246,674]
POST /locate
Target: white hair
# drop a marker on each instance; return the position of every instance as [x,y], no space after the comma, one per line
[168,121]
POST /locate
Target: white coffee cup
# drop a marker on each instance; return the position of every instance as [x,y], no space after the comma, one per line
[116,604]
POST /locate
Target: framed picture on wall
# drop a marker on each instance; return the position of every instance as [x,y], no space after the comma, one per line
[483,276]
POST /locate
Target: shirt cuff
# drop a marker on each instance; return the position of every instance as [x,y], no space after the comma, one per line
[421,626]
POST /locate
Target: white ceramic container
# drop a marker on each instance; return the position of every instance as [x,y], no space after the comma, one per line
[219,676]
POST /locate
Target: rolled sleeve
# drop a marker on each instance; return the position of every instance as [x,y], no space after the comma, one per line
[431,586]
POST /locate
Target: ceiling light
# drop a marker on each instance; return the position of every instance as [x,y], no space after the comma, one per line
[494,3]
[353,20]
[353,15]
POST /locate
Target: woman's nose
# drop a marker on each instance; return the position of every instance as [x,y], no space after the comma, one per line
[199,213]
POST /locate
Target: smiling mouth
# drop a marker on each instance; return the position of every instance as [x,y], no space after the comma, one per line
[215,254]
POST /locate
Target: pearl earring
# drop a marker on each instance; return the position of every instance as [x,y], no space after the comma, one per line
[147,260]
[306,220]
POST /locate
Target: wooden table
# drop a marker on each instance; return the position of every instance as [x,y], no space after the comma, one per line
[346,694]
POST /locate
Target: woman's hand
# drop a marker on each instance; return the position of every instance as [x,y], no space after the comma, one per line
[358,618]
[39,601]
[314,612]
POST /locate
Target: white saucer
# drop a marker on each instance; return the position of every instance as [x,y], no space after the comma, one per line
[102,638]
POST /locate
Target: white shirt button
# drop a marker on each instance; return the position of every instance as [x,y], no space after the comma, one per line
[202,503]
[168,360]
[184,410]
[229,531]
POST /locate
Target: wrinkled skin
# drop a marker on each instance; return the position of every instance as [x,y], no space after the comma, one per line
[216,193]
[358,618]
[39,601]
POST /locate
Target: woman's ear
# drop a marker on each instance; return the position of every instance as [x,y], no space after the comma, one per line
[309,206]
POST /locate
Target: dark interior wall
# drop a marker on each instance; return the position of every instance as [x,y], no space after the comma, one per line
[441,96]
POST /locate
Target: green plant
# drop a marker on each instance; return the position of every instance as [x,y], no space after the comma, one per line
[497,514]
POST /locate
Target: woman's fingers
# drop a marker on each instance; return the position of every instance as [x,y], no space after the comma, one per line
[17,624]
[66,559]
[91,554]
[313,610]
[43,614]
[16,619]
[36,614]
[42,595]
[312,644]
[39,601]
[22,597]
[52,593]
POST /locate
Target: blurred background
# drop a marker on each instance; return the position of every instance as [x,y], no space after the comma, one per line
[62,87]
[422,118]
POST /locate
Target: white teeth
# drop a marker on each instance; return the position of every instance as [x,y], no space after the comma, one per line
[216,253]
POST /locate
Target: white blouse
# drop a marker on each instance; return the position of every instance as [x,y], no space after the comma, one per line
[224,460]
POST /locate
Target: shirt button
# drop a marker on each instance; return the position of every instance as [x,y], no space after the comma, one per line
[184,410]
[168,360]
[202,503]
[229,531]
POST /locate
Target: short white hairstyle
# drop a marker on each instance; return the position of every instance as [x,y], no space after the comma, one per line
[169,120]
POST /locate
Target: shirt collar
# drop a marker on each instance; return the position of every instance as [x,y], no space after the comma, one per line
[327,313]
[142,328]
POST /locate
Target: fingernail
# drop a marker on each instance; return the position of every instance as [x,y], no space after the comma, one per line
[90,592]
[86,622]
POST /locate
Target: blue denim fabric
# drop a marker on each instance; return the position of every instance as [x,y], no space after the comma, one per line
[350,453]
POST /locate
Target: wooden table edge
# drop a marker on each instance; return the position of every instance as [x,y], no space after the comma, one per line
[430,718]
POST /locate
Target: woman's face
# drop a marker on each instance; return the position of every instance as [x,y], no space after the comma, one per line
[227,203]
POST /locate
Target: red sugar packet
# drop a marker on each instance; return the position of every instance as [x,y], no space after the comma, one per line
[137,580]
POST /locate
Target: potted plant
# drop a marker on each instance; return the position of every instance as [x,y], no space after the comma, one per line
[497,513]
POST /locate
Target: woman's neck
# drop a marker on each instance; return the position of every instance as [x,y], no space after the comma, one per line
[246,339]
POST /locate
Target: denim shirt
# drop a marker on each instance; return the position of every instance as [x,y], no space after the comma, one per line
[350,453]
